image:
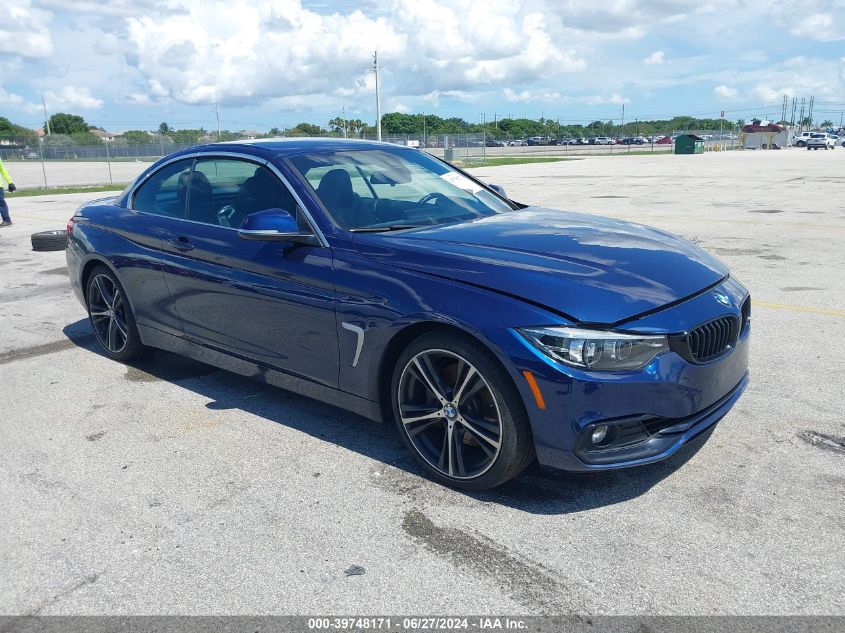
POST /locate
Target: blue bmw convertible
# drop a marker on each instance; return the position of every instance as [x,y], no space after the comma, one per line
[387,282]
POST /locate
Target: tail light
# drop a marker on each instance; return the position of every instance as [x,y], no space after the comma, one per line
[70,224]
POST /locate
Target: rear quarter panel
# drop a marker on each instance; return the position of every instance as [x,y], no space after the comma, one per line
[129,243]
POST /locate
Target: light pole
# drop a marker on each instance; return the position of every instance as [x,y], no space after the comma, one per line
[46,118]
[217,114]
[378,97]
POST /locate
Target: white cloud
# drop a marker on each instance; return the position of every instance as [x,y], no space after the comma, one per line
[766,93]
[819,26]
[258,51]
[15,101]
[655,58]
[24,29]
[614,99]
[528,96]
[70,98]
[277,56]
[466,96]
[821,20]
[725,92]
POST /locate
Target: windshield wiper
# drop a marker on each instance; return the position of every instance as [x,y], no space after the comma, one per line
[380,229]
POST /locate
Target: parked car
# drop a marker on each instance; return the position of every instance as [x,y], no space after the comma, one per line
[519,142]
[820,140]
[380,279]
[604,140]
[30,154]
[664,140]
[541,140]
[800,139]
[491,142]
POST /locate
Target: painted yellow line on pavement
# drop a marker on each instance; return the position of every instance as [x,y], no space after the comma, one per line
[791,308]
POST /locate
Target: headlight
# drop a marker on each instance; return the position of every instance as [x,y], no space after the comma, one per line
[594,349]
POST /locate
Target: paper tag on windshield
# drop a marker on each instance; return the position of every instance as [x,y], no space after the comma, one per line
[461,181]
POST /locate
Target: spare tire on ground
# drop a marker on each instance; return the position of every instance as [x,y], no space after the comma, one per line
[50,240]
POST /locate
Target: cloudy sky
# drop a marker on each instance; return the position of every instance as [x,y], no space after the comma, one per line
[126,64]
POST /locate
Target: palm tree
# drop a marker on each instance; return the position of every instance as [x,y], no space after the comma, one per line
[826,123]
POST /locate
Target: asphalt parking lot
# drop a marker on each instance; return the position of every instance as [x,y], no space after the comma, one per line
[171,487]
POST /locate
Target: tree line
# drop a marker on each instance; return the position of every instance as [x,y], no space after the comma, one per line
[71,129]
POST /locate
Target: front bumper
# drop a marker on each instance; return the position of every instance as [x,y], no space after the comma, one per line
[658,444]
[660,407]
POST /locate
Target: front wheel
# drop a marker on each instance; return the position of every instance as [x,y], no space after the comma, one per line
[111,316]
[459,413]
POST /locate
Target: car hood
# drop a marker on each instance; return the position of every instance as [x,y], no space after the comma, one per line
[589,268]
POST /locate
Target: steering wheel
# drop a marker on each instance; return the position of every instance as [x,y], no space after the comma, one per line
[431,196]
[224,215]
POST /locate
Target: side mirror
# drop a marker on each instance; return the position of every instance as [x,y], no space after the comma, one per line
[274,225]
[499,190]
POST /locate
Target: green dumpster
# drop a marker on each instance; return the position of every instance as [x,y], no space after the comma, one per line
[689,144]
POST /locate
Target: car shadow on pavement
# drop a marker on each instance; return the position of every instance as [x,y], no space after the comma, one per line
[534,491]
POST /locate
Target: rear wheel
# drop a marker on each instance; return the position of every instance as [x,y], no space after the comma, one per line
[111,316]
[459,413]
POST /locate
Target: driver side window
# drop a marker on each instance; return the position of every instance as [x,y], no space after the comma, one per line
[165,192]
[224,191]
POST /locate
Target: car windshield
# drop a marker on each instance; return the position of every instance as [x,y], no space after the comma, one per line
[391,189]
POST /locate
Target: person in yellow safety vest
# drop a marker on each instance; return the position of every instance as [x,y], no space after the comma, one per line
[4,208]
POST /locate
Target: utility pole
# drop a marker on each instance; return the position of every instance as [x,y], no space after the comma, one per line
[343,114]
[801,117]
[623,121]
[46,118]
[792,118]
[810,113]
[378,97]
[217,114]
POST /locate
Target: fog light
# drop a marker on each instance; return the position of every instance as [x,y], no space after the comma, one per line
[599,433]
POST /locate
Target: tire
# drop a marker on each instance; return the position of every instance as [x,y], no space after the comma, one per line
[111,316]
[488,424]
[49,240]
[801,144]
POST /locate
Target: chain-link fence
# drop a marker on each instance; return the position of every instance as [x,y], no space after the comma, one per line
[110,162]
[476,148]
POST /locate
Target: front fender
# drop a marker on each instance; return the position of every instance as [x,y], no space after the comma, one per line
[381,302]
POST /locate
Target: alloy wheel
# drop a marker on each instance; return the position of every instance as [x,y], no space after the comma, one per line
[450,414]
[108,313]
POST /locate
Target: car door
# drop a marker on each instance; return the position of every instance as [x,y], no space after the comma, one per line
[155,208]
[273,302]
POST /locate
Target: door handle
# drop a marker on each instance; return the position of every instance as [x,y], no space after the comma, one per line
[181,242]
